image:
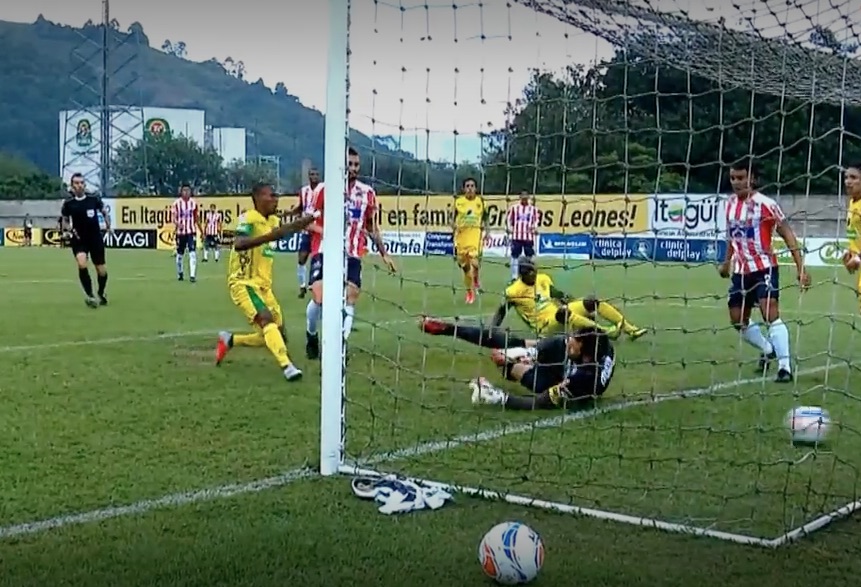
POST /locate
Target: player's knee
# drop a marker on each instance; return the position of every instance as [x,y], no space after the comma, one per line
[264,318]
[591,304]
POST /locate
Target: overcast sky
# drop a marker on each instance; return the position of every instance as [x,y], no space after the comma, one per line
[435,67]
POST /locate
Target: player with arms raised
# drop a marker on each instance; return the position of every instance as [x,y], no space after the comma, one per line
[522,224]
[185,215]
[469,224]
[307,195]
[361,221]
[751,264]
[212,233]
[250,279]
[852,257]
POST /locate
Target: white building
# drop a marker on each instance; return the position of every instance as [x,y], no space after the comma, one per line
[81,135]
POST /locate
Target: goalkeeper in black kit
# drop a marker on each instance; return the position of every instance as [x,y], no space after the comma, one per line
[559,371]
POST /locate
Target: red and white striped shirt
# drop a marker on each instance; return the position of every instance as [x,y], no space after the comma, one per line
[212,221]
[185,215]
[307,195]
[522,222]
[361,205]
[750,224]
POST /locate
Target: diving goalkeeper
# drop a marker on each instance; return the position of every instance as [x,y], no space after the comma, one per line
[559,371]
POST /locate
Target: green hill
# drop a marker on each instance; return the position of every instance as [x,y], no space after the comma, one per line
[48,68]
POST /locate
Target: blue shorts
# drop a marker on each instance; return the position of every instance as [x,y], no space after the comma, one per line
[210,241]
[304,243]
[354,270]
[748,289]
[526,248]
[185,242]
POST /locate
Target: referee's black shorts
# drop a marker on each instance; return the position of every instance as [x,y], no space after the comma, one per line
[93,247]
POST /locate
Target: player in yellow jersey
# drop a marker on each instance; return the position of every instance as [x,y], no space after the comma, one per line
[469,224]
[545,310]
[249,279]
[852,257]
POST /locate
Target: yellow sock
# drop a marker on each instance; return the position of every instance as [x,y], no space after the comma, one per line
[610,313]
[254,339]
[276,345]
[576,321]
[467,278]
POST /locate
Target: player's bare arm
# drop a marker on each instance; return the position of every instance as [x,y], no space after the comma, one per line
[373,230]
[499,315]
[725,266]
[104,211]
[788,235]
[244,243]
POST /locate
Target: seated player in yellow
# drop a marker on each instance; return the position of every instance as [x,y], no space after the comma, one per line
[469,223]
[852,257]
[249,279]
[545,310]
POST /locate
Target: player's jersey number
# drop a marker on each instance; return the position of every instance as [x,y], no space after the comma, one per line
[245,265]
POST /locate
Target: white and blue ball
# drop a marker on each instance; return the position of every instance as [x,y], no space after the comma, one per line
[511,553]
[808,424]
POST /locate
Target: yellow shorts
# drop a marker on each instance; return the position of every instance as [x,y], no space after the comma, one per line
[252,300]
[467,249]
[547,325]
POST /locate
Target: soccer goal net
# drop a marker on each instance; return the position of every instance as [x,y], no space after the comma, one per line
[619,121]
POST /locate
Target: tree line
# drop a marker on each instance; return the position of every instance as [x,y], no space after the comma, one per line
[627,125]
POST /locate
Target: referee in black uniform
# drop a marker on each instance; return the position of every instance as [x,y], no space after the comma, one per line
[80,216]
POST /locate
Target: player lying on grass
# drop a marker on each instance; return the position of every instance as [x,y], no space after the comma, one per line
[250,279]
[559,371]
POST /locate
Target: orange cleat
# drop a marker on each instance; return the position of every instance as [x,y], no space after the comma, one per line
[470,297]
[223,346]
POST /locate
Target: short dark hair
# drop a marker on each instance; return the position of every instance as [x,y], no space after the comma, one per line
[746,163]
[77,175]
[470,178]
[352,152]
[258,188]
[185,185]
[856,165]
[595,342]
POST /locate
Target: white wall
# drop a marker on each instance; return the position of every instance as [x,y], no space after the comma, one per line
[229,143]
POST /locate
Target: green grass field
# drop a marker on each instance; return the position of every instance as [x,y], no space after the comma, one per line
[210,471]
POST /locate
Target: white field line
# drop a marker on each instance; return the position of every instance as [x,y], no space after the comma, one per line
[161,336]
[188,498]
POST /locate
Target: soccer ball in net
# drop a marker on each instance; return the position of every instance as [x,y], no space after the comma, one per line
[511,553]
[808,425]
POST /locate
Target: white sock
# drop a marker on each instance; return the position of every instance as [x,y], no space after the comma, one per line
[312,316]
[179,264]
[514,268]
[217,253]
[349,313]
[779,335]
[206,254]
[301,275]
[752,333]
[192,264]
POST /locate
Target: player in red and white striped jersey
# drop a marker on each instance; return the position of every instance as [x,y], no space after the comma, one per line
[185,215]
[306,198]
[751,264]
[361,222]
[521,223]
[212,233]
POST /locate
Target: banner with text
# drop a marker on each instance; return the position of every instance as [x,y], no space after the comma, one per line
[439,243]
[572,246]
[130,239]
[398,244]
[659,250]
[691,215]
[14,237]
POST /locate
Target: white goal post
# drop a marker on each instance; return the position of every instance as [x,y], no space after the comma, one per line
[736,421]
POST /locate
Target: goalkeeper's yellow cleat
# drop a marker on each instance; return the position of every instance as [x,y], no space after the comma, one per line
[635,333]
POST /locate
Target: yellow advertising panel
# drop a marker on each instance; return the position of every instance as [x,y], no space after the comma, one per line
[14,237]
[601,214]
